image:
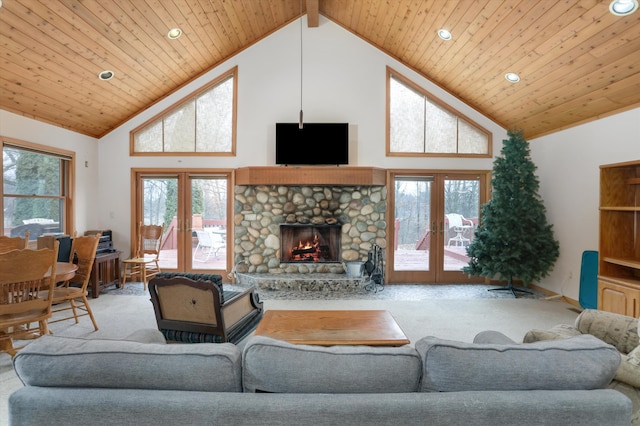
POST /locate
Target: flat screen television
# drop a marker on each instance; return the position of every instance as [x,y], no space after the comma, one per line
[314,144]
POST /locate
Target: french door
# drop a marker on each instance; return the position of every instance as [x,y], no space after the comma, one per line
[434,220]
[194,208]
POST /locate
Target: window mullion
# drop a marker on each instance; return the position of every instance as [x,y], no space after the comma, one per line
[424,124]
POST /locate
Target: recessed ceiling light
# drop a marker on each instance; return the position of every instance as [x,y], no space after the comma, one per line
[444,34]
[512,77]
[106,75]
[174,33]
[623,7]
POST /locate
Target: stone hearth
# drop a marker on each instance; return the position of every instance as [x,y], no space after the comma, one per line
[322,282]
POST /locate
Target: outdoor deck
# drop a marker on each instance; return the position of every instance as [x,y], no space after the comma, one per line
[405,260]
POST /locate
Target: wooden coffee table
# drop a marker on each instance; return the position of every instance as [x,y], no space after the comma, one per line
[328,328]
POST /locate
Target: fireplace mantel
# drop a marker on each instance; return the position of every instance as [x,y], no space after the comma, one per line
[310,175]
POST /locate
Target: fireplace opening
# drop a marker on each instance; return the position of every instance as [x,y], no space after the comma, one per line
[310,243]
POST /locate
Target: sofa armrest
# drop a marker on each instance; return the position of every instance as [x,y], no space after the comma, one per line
[618,330]
[491,336]
[561,331]
[237,307]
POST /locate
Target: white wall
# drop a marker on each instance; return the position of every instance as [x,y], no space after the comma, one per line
[87,198]
[568,167]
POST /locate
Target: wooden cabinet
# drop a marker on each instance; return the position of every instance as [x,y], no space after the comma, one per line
[618,296]
[105,272]
[619,258]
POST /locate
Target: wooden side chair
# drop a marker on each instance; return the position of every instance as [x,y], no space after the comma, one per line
[144,263]
[195,308]
[14,243]
[72,295]
[26,294]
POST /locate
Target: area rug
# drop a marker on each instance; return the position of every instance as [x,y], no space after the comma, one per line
[389,292]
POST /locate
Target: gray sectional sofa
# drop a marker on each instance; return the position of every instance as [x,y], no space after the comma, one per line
[144,381]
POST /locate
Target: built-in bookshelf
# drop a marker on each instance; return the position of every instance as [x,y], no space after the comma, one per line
[619,258]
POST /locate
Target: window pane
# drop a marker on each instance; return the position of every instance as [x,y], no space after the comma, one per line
[33,192]
[36,215]
[204,123]
[31,173]
[471,140]
[215,119]
[180,128]
[441,129]
[419,123]
[406,121]
[149,139]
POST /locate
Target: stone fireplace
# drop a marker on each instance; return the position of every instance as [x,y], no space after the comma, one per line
[262,212]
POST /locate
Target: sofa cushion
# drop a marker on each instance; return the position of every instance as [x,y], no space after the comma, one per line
[561,331]
[581,362]
[76,362]
[271,365]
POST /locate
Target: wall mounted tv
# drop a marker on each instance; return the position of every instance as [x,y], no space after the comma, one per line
[314,144]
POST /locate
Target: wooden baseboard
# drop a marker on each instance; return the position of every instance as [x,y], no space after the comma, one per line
[552,295]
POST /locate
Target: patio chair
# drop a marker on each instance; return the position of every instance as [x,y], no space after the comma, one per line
[461,227]
[208,243]
[195,308]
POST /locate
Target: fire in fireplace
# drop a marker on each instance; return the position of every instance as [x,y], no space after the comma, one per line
[310,243]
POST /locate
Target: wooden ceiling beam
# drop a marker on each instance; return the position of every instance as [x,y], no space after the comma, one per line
[313,7]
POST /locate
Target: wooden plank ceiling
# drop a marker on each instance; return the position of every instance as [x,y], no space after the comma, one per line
[576,60]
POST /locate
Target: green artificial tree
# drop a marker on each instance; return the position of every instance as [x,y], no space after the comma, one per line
[513,240]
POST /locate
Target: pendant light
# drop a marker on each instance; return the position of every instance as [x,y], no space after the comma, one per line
[300,124]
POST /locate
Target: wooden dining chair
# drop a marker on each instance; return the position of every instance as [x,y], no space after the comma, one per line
[144,263]
[72,294]
[13,243]
[26,294]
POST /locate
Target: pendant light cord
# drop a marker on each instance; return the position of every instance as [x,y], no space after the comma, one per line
[300,125]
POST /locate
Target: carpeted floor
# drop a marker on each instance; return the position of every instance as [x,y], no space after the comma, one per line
[456,312]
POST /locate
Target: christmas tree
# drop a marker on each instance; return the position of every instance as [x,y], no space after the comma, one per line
[513,240]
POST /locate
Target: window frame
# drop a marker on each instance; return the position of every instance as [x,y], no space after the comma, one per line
[391,73]
[67,185]
[233,72]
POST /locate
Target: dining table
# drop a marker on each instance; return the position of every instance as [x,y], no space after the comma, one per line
[64,271]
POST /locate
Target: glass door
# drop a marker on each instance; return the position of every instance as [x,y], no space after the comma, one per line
[461,196]
[194,210]
[413,259]
[208,222]
[434,217]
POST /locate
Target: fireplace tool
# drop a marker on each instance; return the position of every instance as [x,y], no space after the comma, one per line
[374,269]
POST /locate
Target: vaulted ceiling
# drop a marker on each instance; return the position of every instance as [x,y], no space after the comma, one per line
[576,60]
